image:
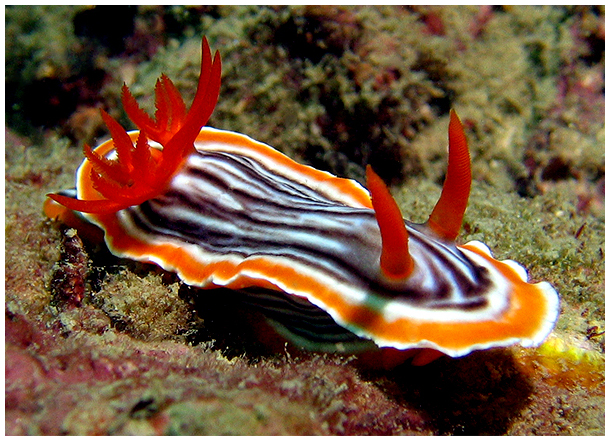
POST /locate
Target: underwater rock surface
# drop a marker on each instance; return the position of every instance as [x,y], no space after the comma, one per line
[96,345]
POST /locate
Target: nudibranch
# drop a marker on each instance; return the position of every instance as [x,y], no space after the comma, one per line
[335,266]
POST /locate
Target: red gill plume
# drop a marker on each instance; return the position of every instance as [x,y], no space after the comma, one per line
[139,172]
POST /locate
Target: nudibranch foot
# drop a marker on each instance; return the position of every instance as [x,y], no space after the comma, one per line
[335,266]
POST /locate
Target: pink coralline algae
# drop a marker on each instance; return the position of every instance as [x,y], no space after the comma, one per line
[91,384]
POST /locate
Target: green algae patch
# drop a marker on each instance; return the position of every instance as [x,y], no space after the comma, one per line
[143,307]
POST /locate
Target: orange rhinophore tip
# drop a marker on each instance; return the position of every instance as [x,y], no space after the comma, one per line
[446,218]
[395,261]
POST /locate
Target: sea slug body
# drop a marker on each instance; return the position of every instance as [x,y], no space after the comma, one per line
[335,266]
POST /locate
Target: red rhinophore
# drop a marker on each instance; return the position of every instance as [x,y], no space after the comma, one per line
[448,213]
[395,260]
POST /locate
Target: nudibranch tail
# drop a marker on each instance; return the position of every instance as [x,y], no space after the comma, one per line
[395,260]
[448,213]
[139,172]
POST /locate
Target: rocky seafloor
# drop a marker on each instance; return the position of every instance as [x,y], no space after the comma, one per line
[100,345]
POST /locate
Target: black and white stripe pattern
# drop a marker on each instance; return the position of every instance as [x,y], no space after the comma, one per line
[304,248]
[239,206]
